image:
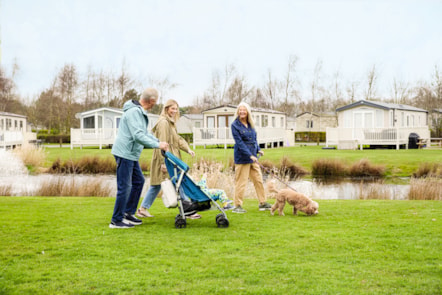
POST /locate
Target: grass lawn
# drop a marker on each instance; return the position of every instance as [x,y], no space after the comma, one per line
[64,246]
[398,163]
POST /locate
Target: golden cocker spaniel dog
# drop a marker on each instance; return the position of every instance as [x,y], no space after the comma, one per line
[299,201]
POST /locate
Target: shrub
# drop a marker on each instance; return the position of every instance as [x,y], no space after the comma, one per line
[310,136]
[73,187]
[31,155]
[85,165]
[291,170]
[425,189]
[364,168]
[429,170]
[328,168]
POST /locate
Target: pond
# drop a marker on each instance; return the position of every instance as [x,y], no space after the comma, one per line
[13,173]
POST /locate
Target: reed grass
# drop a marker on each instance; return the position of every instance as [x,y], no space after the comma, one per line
[5,190]
[425,189]
[290,169]
[429,170]
[32,156]
[374,191]
[72,187]
[329,168]
[85,165]
[363,168]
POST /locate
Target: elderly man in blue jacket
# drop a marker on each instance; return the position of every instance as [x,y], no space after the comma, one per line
[132,137]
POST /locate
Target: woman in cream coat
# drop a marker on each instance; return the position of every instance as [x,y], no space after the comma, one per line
[164,130]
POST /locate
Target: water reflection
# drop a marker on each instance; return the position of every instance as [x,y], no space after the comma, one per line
[351,190]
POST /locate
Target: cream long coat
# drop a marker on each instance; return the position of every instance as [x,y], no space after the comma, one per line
[165,131]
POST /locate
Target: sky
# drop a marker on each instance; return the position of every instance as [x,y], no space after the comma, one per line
[187,40]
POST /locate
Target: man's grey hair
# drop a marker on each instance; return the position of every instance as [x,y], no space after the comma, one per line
[148,94]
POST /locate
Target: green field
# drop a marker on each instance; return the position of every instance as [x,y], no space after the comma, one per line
[64,246]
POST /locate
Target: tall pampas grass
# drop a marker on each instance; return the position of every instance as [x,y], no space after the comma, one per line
[32,156]
[73,187]
[425,189]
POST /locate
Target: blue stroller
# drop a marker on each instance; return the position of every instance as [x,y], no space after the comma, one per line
[177,170]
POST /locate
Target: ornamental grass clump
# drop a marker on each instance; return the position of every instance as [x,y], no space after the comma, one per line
[85,165]
[291,170]
[363,168]
[375,191]
[5,190]
[328,168]
[73,187]
[428,170]
[32,156]
[425,189]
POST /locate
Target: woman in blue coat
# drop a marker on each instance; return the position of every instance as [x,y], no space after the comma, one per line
[245,156]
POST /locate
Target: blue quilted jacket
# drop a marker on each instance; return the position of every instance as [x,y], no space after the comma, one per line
[246,144]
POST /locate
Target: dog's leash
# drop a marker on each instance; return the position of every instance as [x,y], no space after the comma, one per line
[273,174]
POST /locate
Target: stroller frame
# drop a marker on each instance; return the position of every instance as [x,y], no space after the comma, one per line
[177,171]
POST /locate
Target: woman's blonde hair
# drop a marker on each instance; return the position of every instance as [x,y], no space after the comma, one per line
[250,120]
[167,105]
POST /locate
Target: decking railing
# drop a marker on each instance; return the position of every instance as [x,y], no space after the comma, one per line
[92,137]
[10,139]
[351,138]
[223,136]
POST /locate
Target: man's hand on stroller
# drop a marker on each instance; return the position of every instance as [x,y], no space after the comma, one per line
[164,146]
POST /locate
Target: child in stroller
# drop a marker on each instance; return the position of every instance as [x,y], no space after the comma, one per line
[215,193]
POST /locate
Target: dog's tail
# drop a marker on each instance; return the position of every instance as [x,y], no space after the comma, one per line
[272,187]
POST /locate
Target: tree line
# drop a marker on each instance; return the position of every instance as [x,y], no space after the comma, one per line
[71,92]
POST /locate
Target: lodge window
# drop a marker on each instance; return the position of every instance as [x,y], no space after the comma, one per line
[211,122]
[89,122]
[282,122]
[309,123]
[273,122]
[264,120]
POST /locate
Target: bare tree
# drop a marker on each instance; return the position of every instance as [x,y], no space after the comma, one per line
[316,88]
[436,85]
[289,82]
[67,86]
[270,89]
[239,90]
[372,77]
[351,91]
[123,83]
[7,88]
[260,99]
[229,72]
[163,85]
[400,91]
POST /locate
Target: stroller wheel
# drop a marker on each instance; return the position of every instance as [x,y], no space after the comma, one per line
[180,222]
[222,221]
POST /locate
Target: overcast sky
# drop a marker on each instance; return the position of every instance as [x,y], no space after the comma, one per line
[189,39]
